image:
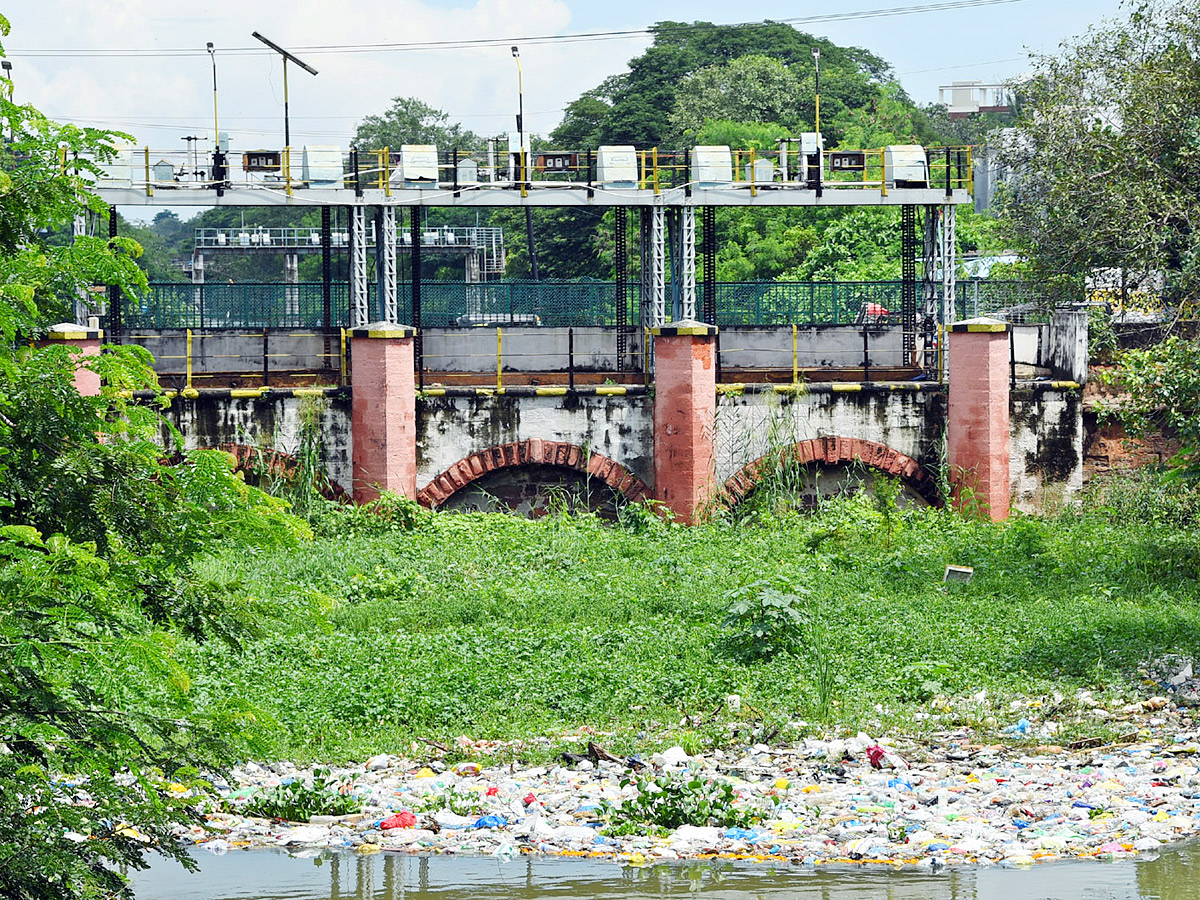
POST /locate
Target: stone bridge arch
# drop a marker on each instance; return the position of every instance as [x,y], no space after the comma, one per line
[533,453]
[838,452]
[275,462]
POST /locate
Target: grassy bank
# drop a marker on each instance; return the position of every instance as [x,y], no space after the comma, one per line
[497,627]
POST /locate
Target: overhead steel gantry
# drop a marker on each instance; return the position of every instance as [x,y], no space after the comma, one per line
[666,197]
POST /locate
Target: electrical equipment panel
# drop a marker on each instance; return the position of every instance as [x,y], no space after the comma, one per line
[905,165]
[418,166]
[616,166]
[322,166]
[712,166]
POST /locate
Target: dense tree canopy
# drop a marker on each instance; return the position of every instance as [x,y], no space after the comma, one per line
[99,546]
[1106,158]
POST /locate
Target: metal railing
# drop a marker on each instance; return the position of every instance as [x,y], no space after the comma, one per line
[567,303]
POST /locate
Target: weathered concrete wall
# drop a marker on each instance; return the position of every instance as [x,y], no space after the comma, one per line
[834,346]
[1068,350]
[909,420]
[1046,458]
[526,349]
[456,424]
[1047,428]
[273,421]
[238,352]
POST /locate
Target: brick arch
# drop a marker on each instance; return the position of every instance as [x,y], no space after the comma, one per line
[835,451]
[246,458]
[532,452]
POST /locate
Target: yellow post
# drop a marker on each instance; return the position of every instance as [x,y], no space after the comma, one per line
[499,363]
[795,360]
[883,173]
[753,189]
[149,188]
[970,173]
[387,174]
[656,170]
[342,361]
[524,185]
[646,355]
[189,359]
[642,176]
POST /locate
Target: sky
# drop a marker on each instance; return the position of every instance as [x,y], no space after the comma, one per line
[141,65]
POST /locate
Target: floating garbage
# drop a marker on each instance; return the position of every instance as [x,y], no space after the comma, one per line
[951,799]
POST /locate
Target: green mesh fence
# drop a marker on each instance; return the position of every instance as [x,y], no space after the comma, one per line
[564,303]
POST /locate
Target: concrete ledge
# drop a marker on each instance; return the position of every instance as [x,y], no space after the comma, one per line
[384,330]
[80,335]
[537,390]
[684,329]
[982,325]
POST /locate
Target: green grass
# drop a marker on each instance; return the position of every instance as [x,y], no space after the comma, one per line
[499,628]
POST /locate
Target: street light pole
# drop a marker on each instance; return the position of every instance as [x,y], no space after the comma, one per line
[287,132]
[533,265]
[216,129]
[816,52]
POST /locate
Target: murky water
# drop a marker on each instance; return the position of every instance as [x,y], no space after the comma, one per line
[267,875]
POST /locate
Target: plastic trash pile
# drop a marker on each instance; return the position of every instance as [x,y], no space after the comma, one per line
[821,800]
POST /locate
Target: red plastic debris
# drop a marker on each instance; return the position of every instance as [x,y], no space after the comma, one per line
[402,819]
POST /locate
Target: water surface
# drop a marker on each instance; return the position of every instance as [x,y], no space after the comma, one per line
[271,875]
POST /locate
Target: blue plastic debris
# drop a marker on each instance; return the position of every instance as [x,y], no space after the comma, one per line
[489,822]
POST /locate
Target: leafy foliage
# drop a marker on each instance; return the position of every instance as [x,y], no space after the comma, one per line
[296,801]
[763,620]
[100,543]
[1163,381]
[1107,152]
[670,801]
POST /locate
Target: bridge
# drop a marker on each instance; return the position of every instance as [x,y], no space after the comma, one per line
[883,396]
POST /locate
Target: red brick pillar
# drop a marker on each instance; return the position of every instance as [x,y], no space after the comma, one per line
[383,411]
[978,431]
[685,404]
[84,342]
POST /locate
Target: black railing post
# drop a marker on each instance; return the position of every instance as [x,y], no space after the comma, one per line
[415,284]
[1012,360]
[114,292]
[866,355]
[571,358]
[266,364]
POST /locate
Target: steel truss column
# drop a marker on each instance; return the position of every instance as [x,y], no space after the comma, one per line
[326,266]
[621,265]
[687,293]
[388,239]
[929,285]
[949,282]
[414,224]
[658,266]
[291,290]
[908,279]
[646,292]
[708,250]
[115,326]
[359,309]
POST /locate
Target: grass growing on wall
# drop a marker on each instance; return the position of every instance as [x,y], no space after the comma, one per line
[496,627]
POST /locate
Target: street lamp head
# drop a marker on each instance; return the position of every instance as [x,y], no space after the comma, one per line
[816,53]
[6,65]
[210,46]
[516,52]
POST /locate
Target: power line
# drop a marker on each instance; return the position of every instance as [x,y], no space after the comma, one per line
[578,37]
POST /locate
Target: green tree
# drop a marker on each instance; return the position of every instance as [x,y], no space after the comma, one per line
[98,547]
[752,88]
[1106,155]
[410,121]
